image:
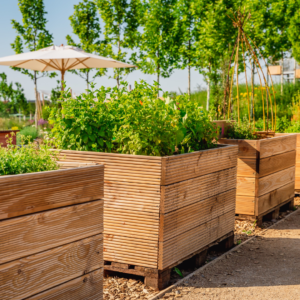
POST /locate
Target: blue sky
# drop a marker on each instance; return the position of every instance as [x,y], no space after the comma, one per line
[59,25]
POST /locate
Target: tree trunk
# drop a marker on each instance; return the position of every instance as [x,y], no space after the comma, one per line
[208,94]
[87,80]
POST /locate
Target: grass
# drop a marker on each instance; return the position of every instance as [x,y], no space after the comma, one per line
[29,132]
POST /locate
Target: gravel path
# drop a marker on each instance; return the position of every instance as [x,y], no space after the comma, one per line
[267,267]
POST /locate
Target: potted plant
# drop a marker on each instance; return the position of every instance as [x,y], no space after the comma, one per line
[169,188]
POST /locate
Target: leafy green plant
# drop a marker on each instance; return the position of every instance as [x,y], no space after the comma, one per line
[135,122]
[30,133]
[241,131]
[178,272]
[26,159]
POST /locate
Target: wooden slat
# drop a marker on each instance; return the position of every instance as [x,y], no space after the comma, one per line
[275,197]
[276,180]
[277,145]
[192,165]
[188,217]
[87,287]
[181,246]
[247,167]
[31,194]
[33,274]
[190,191]
[247,148]
[245,205]
[26,235]
[275,163]
[245,186]
[133,251]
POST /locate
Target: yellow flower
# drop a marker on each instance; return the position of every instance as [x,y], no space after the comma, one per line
[15,128]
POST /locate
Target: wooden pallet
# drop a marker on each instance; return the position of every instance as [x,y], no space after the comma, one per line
[159,279]
[270,214]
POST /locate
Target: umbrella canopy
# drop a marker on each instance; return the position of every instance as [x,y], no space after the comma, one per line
[60,58]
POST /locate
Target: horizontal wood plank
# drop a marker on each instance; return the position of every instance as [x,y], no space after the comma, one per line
[277,145]
[245,186]
[245,205]
[275,163]
[31,194]
[246,148]
[275,197]
[87,287]
[33,274]
[276,180]
[27,235]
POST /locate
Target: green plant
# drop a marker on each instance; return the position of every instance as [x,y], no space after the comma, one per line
[178,272]
[135,122]
[239,242]
[241,131]
[30,133]
[26,159]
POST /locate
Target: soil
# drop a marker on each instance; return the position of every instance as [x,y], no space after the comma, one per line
[227,279]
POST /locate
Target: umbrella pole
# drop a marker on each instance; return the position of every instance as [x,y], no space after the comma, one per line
[62,79]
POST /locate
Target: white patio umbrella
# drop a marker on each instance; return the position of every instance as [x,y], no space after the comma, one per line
[60,58]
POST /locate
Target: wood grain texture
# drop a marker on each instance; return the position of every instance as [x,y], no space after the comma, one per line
[276,180]
[245,186]
[277,145]
[245,205]
[30,193]
[5,134]
[188,242]
[275,163]
[187,166]
[27,235]
[188,217]
[191,191]
[246,148]
[86,287]
[139,189]
[247,167]
[275,197]
[33,274]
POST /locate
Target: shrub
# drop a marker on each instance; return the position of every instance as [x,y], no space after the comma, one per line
[30,133]
[135,122]
[241,131]
[26,159]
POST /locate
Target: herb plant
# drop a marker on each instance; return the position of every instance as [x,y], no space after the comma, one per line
[135,122]
[26,159]
[241,131]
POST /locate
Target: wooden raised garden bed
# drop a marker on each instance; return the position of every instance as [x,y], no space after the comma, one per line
[297,175]
[158,211]
[51,233]
[265,174]
[4,134]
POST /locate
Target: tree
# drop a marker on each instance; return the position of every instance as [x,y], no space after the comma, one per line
[294,28]
[86,26]
[32,32]
[122,20]
[160,39]
[185,12]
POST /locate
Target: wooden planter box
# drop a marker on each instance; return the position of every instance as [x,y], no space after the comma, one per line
[3,137]
[297,175]
[51,233]
[159,210]
[265,174]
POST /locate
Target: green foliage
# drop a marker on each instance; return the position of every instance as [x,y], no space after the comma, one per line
[32,32]
[178,272]
[14,100]
[135,122]
[122,20]
[29,133]
[9,123]
[85,24]
[241,131]
[26,159]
